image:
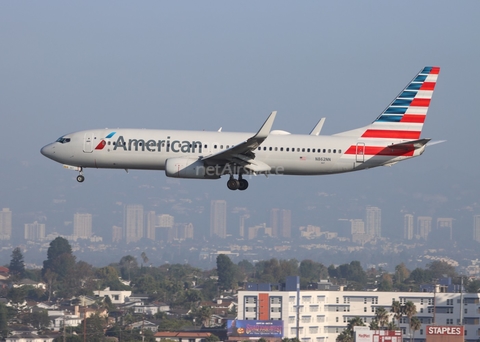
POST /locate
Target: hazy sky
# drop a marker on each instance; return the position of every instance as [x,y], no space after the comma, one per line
[69,66]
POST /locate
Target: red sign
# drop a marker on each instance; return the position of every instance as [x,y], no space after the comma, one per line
[444,330]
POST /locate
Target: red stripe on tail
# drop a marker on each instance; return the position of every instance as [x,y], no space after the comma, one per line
[391,134]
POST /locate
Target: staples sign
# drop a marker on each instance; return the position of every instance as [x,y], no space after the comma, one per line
[444,330]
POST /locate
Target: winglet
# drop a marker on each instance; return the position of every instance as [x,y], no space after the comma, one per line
[318,127]
[264,131]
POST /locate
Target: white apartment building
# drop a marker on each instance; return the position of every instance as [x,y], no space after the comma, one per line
[323,315]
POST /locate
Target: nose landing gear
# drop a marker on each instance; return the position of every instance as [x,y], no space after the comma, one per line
[237,184]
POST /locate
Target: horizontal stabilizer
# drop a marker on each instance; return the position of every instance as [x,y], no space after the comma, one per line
[431,143]
[408,144]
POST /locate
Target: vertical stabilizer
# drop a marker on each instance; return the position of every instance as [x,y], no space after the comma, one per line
[403,119]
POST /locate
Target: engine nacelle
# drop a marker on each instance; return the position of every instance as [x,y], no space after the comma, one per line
[189,168]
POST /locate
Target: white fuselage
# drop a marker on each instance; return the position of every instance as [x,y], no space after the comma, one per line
[148,149]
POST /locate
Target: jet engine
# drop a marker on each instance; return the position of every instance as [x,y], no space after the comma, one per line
[189,168]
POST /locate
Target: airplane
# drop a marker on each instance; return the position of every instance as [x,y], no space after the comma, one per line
[394,136]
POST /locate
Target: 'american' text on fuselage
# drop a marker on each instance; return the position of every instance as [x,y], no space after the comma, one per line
[175,146]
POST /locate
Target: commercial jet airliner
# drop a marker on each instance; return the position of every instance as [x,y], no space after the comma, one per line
[393,136]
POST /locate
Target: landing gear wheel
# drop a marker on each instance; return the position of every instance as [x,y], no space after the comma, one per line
[233,184]
[80,178]
[243,184]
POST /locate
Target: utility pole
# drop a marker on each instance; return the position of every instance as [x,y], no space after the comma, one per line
[461,301]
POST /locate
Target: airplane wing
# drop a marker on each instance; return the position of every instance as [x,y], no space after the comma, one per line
[242,153]
[318,127]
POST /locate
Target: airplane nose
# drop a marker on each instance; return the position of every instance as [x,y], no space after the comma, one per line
[47,150]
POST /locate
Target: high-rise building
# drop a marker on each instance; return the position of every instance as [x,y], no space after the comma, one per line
[424,226]
[374,221]
[189,231]
[476,228]
[408,227]
[133,222]
[151,225]
[241,231]
[218,219]
[82,226]
[117,234]
[5,224]
[34,231]
[281,222]
[275,221]
[165,221]
[445,227]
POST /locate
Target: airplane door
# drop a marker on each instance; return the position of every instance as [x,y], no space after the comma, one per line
[88,143]
[360,153]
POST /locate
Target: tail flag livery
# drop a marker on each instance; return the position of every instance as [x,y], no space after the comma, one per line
[404,118]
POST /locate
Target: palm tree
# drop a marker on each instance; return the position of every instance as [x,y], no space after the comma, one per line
[397,311]
[345,336]
[354,322]
[410,311]
[415,325]
[391,326]
[381,315]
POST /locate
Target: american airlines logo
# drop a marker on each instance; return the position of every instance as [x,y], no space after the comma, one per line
[175,146]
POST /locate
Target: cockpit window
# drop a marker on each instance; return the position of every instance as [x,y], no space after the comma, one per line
[63,140]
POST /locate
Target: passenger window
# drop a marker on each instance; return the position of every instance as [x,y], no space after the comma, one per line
[288,149]
[281,148]
[308,150]
[303,150]
[227,146]
[339,151]
[276,148]
[329,151]
[214,146]
[324,150]
[221,147]
[259,148]
[269,148]
[264,148]
[298,149]
[334,151]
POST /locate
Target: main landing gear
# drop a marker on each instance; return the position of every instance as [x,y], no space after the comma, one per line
[80,177]
[237,184]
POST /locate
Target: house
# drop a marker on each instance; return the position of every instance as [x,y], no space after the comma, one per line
[117,297]
[30,337]
[182,336]
[29,282]
[58,321]
[144,325]
[150,309]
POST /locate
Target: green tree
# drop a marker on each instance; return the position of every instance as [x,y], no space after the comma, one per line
[95,326]
[381,315]
[225,271]
[397,311]
[3,320]
[17,265]
[60,262]
[440,269]
[128,264]
[38,319]
[312,271]
[414,325]
[401,273]
[410,310]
